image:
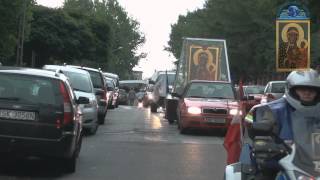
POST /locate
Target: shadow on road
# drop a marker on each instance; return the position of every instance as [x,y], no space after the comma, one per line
[35,168]
[204,132]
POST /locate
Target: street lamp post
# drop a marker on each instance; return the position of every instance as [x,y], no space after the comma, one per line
[19,60]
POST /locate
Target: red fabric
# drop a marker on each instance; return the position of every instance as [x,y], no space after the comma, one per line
[232,140]
[232,143]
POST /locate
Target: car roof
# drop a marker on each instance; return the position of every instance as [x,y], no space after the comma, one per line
[206,81]
[85,68]
[277,82]
[31,71]
[253,86]
[112,75]
[133,81]
[65,68]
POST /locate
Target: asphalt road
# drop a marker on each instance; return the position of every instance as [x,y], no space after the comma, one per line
[133,145]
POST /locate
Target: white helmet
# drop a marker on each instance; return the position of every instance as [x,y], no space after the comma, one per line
[307,78]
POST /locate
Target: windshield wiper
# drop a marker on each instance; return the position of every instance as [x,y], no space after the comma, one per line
[214,97]
[10,98]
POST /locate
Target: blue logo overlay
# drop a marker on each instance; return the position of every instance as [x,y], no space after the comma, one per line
[293,12]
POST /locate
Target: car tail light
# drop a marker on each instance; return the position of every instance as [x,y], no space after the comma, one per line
[67,107]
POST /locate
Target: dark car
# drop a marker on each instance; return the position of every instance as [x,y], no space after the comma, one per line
[101,91]
[39,115]
[123,97]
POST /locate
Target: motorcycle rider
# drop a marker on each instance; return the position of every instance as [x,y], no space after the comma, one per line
[302,95]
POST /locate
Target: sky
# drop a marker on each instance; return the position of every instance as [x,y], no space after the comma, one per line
[155,18]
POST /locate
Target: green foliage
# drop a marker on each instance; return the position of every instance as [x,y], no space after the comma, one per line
[249,28]
[10,12]
[58,37]
[95,33]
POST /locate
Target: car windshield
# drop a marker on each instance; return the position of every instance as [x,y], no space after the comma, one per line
[253,90]
[136,86]
[278,87]
[96,79]
[110,83]
[28,89]
[79,81]
[210,90]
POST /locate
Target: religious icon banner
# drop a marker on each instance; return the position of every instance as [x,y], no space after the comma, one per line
[293,45]
[292,38]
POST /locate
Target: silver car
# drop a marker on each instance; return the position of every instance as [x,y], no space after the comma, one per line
[273,90]
[82,86]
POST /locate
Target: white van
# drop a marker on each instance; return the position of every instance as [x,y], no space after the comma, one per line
[163,81]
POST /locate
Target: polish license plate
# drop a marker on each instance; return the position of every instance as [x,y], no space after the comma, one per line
[19,115]
[216,120]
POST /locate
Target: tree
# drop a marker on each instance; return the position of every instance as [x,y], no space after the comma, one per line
[10,13]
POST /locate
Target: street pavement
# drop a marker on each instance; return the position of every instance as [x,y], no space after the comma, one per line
[134,144]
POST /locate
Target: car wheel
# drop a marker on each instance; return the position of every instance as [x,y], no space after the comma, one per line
[182,129]
[153,107]
[69,164]
[170,117]
[101,118]
[94,129]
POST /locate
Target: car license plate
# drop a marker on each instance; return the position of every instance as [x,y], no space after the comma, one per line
[19,115]
[216,120]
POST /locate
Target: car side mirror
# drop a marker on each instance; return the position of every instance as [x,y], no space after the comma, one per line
[99,92]
[82,100]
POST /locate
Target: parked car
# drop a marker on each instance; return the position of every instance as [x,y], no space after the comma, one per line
[112,93]
[273,90]
[207,105]
[115,78]
[252,95]
[123,97]
[99,85]
[39,115]
[81,84]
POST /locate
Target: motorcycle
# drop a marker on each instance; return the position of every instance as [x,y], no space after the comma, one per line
[298,159]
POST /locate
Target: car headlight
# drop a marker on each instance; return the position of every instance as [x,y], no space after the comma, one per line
[234,112]
[194,110]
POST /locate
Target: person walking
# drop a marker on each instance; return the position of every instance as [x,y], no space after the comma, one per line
[131,96]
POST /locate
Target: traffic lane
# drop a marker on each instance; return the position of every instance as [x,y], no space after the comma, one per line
[147,147]
[133,144]
[150,160]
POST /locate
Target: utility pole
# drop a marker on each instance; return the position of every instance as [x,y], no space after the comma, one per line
[21,34]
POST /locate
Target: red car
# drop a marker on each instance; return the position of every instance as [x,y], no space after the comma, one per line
[208,105]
